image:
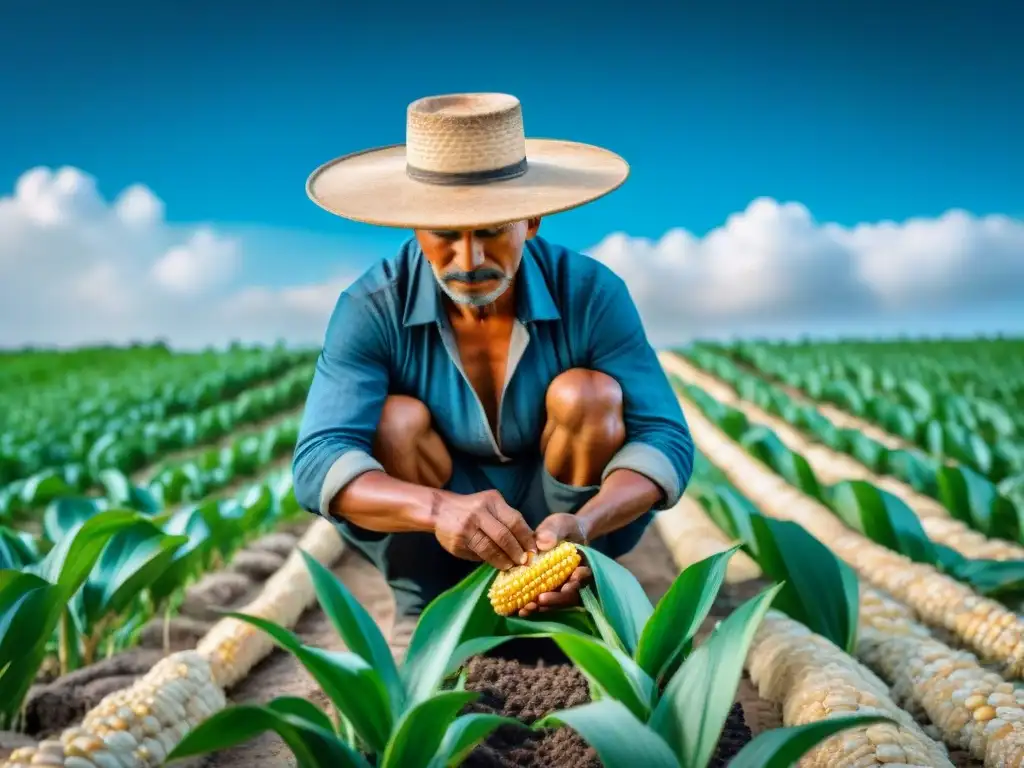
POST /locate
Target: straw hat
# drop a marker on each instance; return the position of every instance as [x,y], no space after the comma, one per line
[466,163]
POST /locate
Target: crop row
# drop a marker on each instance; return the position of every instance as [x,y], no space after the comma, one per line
[118,425]
[995,510]
[118,453]
[923,402]
[95,578]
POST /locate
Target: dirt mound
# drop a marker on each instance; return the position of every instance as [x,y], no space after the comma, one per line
[511,688]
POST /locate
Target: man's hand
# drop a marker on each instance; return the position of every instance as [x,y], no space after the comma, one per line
[554,529]
[481,526]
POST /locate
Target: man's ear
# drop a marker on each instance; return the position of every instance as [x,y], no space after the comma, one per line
[532,225]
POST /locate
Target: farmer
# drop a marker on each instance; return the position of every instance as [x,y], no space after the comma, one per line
[486,392]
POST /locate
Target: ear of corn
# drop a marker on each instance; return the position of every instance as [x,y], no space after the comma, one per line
[971,707]
[515,588]
[814,679]
[138,726]
[234,647]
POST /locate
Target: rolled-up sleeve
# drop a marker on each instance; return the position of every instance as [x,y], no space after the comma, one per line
[658,441]
[350,384]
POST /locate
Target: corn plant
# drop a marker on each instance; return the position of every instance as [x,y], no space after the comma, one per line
[657,700]
[35,599]
[386,714]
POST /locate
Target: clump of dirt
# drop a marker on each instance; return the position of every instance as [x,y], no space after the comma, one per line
[280,543]
[212,592]
[256,564]
[529,692]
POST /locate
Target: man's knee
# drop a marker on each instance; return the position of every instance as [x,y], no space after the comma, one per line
[581,399]
[403,419]
[585,426]
[407,445]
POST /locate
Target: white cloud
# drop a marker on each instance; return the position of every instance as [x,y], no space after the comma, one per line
[202,262]
[773,267]
[75,268]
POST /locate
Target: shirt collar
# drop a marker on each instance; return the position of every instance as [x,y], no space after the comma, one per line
[533,298]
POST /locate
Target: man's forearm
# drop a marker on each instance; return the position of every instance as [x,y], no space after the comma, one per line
[624,496]
[381,503]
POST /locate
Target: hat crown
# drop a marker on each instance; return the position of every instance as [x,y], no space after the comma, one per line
[465,133]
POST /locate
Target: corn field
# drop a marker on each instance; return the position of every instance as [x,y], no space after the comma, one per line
[840,586]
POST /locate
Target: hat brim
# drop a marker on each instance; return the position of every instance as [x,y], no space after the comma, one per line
[373,187]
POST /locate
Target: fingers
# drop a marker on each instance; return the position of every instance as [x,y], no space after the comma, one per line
[527,609]
[515,523]
[503,538]
[581,575]
[546,539]
[488,551]
[567,596]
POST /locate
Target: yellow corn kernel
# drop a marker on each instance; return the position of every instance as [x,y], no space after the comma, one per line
[515,588]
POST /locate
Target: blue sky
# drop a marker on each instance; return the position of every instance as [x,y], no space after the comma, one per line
[861,111]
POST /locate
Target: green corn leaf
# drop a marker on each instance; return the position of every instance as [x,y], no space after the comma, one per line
[783,747]
[915,469]
[29,610]
[456,615]
[312,745]
[43,487]
[302,709]
[605,630]
[732,512]
[116,487]
[72,558]
[465,734]
[352,685]
[882,517]
[188,558]
[668,635]
[17,549]
[868,452]
[1000,579]
[820,590]
[697,700]
[63,514]
[575,621]
[569,621]
[976,501]
[620,740]
[133,558]
[765,445]
[357,628]
[623,600]
[419,734]
[614,672]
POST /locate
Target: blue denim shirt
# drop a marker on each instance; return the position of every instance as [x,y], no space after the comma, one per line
[389,334]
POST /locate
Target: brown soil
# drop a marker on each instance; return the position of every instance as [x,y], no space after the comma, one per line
[512,680]
[528,692]
[56,704]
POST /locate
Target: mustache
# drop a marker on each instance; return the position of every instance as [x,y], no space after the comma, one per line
[476,276]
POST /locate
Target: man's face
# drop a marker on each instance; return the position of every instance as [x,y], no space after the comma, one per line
[475,267]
